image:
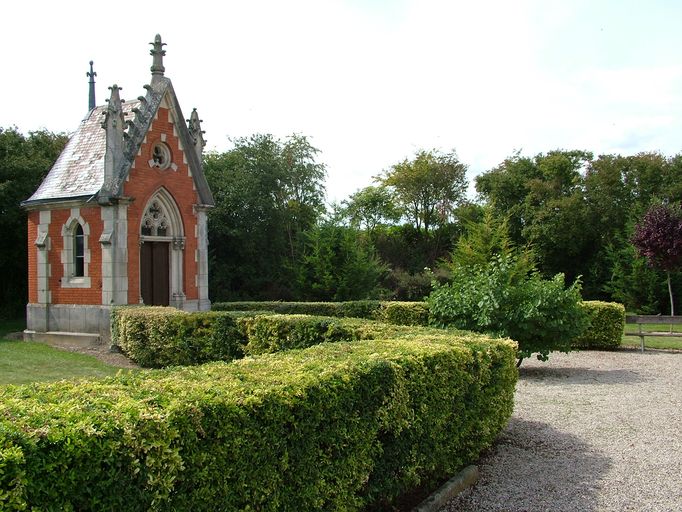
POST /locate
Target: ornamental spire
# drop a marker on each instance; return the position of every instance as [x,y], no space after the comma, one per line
[91,97]
[157,52]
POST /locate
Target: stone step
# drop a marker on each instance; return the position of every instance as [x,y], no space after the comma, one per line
[64,339]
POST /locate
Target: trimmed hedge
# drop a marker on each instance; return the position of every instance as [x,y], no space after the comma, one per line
[339,426]
[400,313]
[157,337]
[607,323]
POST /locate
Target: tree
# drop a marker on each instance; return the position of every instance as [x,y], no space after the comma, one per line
[542,315]
[24,162]
[301,192]
[544,201]
[485,240]
[427,187]
[658,237]
[337,265]
[371,207]
[268,193]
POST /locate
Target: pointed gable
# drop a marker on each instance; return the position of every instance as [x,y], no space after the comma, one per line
[99,156]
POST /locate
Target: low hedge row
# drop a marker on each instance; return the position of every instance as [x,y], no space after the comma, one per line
[400,313]
[605,331]
[607,323]
[157,337]
[339,426]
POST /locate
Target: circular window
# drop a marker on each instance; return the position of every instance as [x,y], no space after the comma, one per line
[161,156]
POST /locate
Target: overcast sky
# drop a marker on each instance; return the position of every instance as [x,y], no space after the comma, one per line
[369,81]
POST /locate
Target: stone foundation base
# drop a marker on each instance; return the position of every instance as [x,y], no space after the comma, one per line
[80,318]
[64,318]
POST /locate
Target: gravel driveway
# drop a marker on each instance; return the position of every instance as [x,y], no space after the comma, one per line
[591,431]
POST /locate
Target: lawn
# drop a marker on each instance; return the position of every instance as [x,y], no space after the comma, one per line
[24,362]
[653,342]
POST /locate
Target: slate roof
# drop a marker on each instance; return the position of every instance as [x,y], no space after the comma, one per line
[79,171]
[84,170]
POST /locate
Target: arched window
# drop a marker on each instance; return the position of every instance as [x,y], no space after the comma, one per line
[78,251]
[75,254]
[155,221]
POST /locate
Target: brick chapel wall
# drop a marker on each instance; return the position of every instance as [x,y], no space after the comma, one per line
[33,221]
[143,182]
[61,295]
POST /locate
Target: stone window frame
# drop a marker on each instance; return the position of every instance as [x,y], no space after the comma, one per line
[68,255]
[161,151]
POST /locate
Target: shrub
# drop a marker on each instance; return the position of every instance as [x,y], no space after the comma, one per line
[541,315]
[403,313]
[156,337]
[607,322]
[394,312]
[341,426]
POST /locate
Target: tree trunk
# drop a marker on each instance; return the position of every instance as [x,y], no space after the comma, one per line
[672,304]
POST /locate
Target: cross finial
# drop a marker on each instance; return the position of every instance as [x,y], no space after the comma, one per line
[91,97]
[158,52]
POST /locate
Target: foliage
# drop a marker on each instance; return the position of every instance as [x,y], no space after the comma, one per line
[486,239]
[541,315]
[633,282]
[268,194]
[428,187]
[405,286]
[24,162]
[658,237]
[341,426]
[576,211]
[338,265]
[403,313]
[392,312]
[157,337]
[607,323]
[371,207]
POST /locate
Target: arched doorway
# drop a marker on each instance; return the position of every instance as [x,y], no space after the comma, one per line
[162,244]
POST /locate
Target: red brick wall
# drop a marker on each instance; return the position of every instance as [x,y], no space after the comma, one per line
[143,182]
[92,295]
[33,221]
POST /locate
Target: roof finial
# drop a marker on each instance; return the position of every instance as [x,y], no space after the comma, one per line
[91,97]
[157,52]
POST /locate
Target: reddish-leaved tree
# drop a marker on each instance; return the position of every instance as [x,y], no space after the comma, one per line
[658,237]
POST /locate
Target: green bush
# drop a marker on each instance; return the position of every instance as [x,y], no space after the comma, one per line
[156,337]
[394,312]
[403,313]
[340,426]
[541,315]
[607,323]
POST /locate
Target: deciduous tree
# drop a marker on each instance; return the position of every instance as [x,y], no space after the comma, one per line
[427,187]
[658,237]
[24,162]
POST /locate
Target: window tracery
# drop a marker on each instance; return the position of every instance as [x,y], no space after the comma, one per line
[155,221]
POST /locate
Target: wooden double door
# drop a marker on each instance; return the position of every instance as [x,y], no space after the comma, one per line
[155,273]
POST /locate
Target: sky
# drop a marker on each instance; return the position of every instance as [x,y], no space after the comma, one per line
[370,82]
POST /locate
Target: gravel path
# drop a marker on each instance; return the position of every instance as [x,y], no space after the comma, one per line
[591,431]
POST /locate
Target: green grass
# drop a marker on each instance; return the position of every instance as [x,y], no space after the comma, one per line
[662,342]
[23,362]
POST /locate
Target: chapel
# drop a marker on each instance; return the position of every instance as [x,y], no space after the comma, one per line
[121,216]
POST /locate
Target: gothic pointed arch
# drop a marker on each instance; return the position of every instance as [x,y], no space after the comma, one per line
[162,244]
[161,217]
